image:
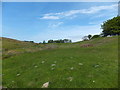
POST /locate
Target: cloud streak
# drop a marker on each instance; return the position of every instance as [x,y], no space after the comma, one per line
[91,10]
[55,25]
[50,17]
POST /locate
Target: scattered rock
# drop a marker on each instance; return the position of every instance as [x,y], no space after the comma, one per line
[45,85]
[70,78]
[13,81]
[36,66]
[53,65]
[71,68]
[18,74]
[80,64]
[52,68]
[71,57]
[96,65]
[43,62]
[55,62]
[90,75]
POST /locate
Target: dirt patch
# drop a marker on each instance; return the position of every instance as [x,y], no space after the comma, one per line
[87,45]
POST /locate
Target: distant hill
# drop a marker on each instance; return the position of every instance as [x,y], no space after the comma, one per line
[12,47]
[9,43]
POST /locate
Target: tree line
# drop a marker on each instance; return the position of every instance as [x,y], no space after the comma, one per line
[59,41]
[54,41]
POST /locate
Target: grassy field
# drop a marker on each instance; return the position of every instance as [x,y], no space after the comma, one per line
[87,64]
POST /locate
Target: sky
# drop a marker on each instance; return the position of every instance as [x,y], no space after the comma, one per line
[38,21]
[60,0]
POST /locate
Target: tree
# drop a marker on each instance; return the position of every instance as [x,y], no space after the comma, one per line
[70,41]
[60,41]
[67,41]
[29,41]
[95,36]
[85,38]
[44,42]
[101,34]
[56,41]
[89,36]
[50,41]
[111,27]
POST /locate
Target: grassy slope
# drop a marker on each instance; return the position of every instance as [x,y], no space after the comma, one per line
[13,47]
[100,64]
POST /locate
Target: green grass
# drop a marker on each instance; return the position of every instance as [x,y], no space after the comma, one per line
[99,69]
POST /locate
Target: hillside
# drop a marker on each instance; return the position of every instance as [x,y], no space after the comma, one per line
[86,64]
[12,47]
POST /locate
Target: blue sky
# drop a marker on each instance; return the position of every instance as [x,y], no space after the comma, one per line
[40,21]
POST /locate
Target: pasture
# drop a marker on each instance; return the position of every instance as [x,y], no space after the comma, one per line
[86,64]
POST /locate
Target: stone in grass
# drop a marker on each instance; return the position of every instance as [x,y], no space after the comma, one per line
[13,81]
[43,62]
[80,63]
[45,85]
[35,66]
[52,68]
[70,78]
[90,75]
[18,74]
[55,61]
[72,68]
[53,65]
[71,57]
[96,65]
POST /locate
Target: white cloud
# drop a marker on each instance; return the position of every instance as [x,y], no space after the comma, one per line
[96,9]
[70,13]
[50,17]
[54,25]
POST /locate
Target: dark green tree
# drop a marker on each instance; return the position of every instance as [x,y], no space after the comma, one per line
[44,42]
[95,36]
[111,27]
[60,41]
[70,41]
[89,36]
[67,41]
[50,41]
[85,38]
